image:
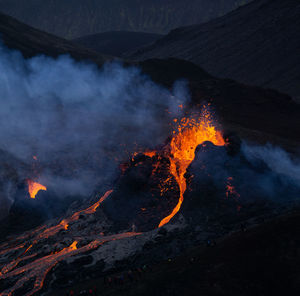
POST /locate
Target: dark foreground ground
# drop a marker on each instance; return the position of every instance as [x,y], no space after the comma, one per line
[263,260]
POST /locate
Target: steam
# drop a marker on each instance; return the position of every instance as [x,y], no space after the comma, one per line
[258,173]
[275,158]
[77,119]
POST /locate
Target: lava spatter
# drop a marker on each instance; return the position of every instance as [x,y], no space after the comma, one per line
[190,133]
[34,188]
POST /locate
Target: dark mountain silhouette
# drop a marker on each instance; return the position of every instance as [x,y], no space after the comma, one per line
[31,42]
[257,44]
[117,43]
[76,18]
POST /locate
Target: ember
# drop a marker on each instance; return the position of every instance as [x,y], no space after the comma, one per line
[231,191]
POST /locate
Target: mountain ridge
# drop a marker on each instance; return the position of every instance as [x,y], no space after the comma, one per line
[257,44]
[117,43]
[32,42]
[90,17]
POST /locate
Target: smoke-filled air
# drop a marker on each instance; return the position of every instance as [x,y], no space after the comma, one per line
[79,120]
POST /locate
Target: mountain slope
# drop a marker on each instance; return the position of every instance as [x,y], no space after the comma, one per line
[31,42]
[72,19]
[117,43]
[256,44]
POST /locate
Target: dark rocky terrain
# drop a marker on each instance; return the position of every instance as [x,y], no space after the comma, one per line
[117,43]
[85,17]
[257,44]
[263,260]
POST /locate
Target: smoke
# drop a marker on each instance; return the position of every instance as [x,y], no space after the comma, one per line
[256,174]
[77,119]
[276,159]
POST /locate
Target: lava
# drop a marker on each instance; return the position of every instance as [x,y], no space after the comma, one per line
[34,188]
[231,191]
[150,153]
[190,133]
[40,267]
[64,224]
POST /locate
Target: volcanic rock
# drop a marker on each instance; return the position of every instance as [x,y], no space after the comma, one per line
[144,195]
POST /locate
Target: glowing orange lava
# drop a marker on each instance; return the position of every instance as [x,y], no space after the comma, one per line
[37,268]
[34,188]
[150,153]
[191,132]
[230,189]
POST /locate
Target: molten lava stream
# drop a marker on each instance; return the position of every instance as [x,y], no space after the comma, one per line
[34,188]
[40,267]
[191,133]
[64,224]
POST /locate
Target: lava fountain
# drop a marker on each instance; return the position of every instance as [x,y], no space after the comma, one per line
[34,188]
[190,133]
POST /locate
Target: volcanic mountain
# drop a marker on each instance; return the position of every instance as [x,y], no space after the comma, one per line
[252,112]
[257,44]
[117,43]
[80,18]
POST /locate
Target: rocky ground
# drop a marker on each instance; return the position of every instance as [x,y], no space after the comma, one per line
[213,237]
[259,259]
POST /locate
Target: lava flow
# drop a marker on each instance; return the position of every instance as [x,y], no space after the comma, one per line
[37,268]
[28,264]
[34,188]
[191,132]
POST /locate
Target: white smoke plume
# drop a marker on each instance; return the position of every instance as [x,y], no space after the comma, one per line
[76,116]
[277,160]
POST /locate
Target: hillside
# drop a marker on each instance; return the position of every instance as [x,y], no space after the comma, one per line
[76,18]
[31,42]
[257,44]
[117,43]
